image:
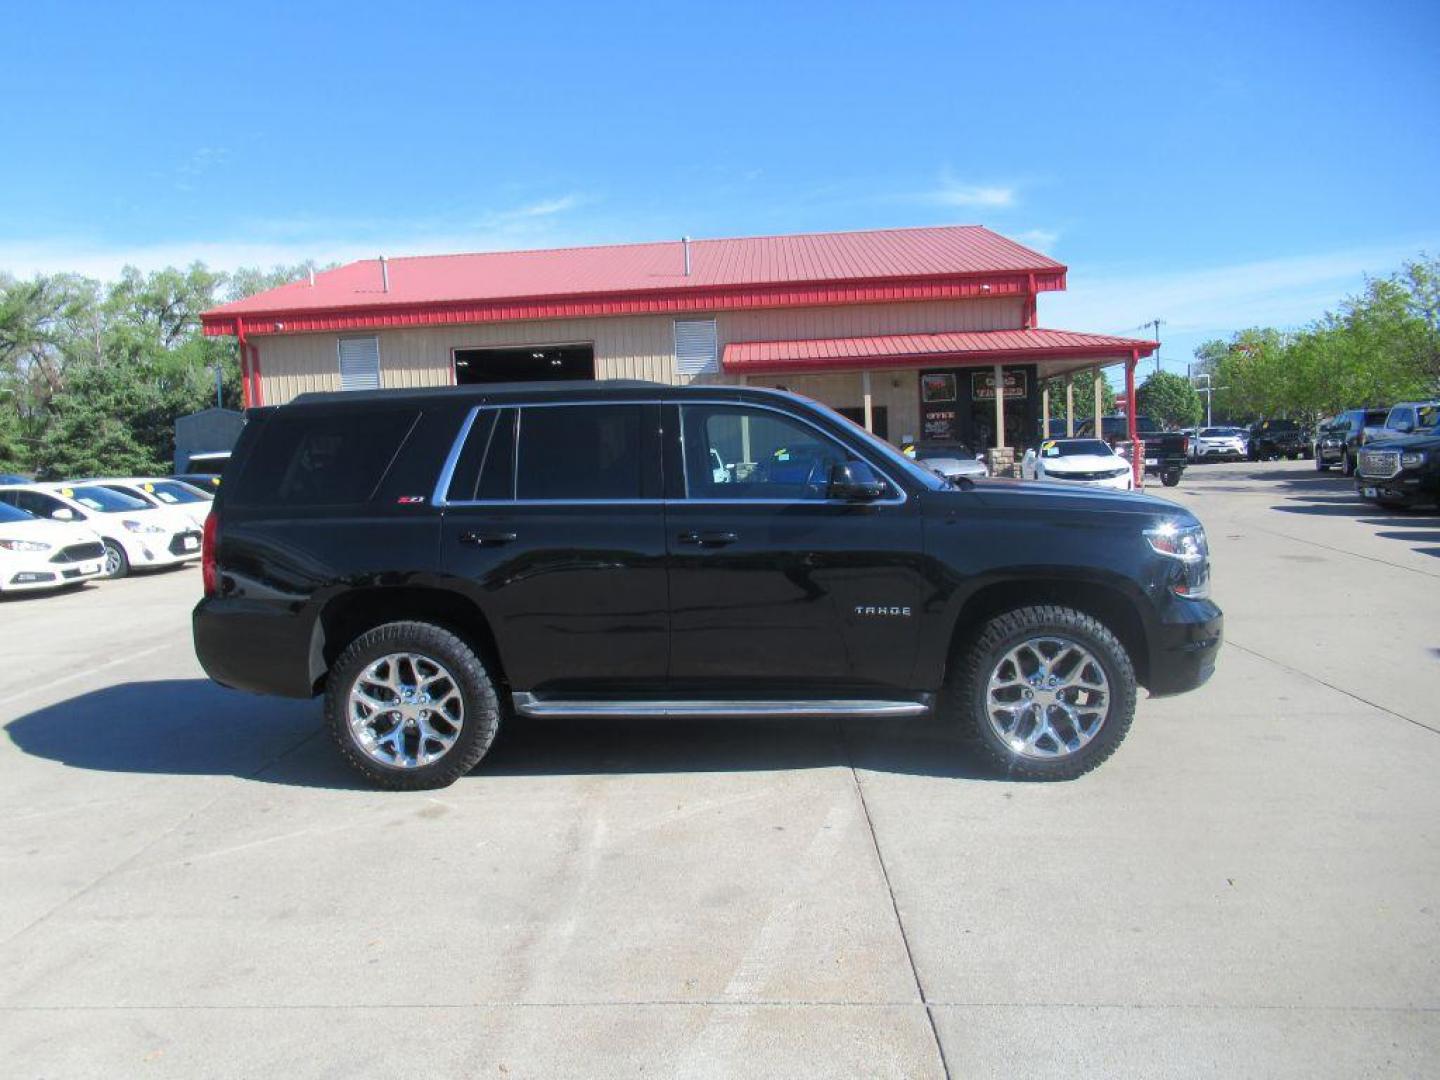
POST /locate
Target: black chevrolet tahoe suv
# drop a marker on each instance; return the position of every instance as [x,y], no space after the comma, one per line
[436,561]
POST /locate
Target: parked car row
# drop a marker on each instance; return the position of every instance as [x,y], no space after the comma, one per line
[58,534]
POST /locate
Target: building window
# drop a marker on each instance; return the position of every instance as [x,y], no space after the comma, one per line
[360,363]
[695,350]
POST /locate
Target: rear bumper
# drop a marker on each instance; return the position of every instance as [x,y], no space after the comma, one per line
[256,647]
[1185,648]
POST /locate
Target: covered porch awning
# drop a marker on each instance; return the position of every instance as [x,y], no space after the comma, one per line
[1057,352]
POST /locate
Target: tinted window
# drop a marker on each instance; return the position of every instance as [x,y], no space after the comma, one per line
[579,452]
[313,460]
[732,452]
[497,476]
[10,514]
[467,466]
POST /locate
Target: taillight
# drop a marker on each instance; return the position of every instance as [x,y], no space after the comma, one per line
[1184,444]
[209,569]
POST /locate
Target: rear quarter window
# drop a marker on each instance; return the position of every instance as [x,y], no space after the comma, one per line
[309,459]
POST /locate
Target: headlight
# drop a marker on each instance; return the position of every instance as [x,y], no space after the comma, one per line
[1412,458]
[23,545]
[141,527]
[1186,545]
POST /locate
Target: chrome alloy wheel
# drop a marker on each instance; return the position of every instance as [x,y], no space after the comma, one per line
[1047,697]
[405,710]
[112,561]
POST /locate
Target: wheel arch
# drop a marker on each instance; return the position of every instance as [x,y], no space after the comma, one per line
[349,614]
[1105,601]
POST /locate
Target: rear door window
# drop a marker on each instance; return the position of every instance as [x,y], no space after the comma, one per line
[319,460]
[584,452]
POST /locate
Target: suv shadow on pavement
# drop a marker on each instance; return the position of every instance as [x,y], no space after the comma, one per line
[191,727]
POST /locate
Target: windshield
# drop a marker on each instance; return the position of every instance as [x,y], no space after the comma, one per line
[1075,448]
[1217,433]
[11,514]
[171,493]
[94,497]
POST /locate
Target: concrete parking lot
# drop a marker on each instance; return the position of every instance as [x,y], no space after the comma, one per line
[195,886]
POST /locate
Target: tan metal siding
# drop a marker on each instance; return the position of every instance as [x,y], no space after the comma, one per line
[626,347]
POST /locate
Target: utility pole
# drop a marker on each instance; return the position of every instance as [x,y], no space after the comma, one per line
[1155,324]
[219,383]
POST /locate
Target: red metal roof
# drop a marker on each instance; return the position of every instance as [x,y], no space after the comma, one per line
[770,357]
[853,267]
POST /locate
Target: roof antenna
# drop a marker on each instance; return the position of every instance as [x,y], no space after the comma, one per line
[685,244]
[384,275]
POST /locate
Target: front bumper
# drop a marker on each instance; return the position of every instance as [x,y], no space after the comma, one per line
[1410,487]
[1185,647]
[31,572]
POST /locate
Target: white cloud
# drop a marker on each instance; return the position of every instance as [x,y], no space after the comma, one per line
[1039,239]
[293,240]
[950,193]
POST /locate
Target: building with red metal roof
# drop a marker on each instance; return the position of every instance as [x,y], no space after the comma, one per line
[908,331]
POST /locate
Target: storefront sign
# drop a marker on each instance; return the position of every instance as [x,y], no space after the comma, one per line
[937,386]
[982,385]
[941,425]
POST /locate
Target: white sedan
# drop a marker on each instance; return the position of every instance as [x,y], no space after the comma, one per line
[135,534]
[36,554]
[1088,462]
[162,492]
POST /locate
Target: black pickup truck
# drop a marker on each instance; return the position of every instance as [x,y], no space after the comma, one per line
[438,562]
[1274,439]
[1166,452]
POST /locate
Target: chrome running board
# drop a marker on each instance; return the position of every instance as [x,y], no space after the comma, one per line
[527,704]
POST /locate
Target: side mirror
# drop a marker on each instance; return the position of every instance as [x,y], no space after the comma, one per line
[63,513]
[854,481]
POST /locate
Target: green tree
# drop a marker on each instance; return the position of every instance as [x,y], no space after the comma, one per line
[1169,399]
[1084,398]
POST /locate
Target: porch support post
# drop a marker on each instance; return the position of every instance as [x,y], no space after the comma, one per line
[1045,410]
[869,402]
[1137,459]
[999,407]
[243,349]
[1069,406]
[1099,403]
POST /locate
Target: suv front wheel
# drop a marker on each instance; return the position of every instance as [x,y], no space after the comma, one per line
[411,706]
[1046,693]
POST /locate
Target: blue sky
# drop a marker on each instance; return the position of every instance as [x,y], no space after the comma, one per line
[1214,165]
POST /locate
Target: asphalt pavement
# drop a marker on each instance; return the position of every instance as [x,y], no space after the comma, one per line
[194,885]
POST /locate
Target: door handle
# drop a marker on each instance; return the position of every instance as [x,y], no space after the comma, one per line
[708,539]
[487,539]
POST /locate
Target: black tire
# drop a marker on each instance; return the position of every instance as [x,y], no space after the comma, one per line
[965,706]
[1347,465]
[1170,477]
[117,563]
[1320,466]
[481,710]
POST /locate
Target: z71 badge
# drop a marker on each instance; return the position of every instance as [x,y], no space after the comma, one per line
[880,609]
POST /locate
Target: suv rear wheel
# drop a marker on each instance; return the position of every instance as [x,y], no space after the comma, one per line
[411,706]
[1046,693]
